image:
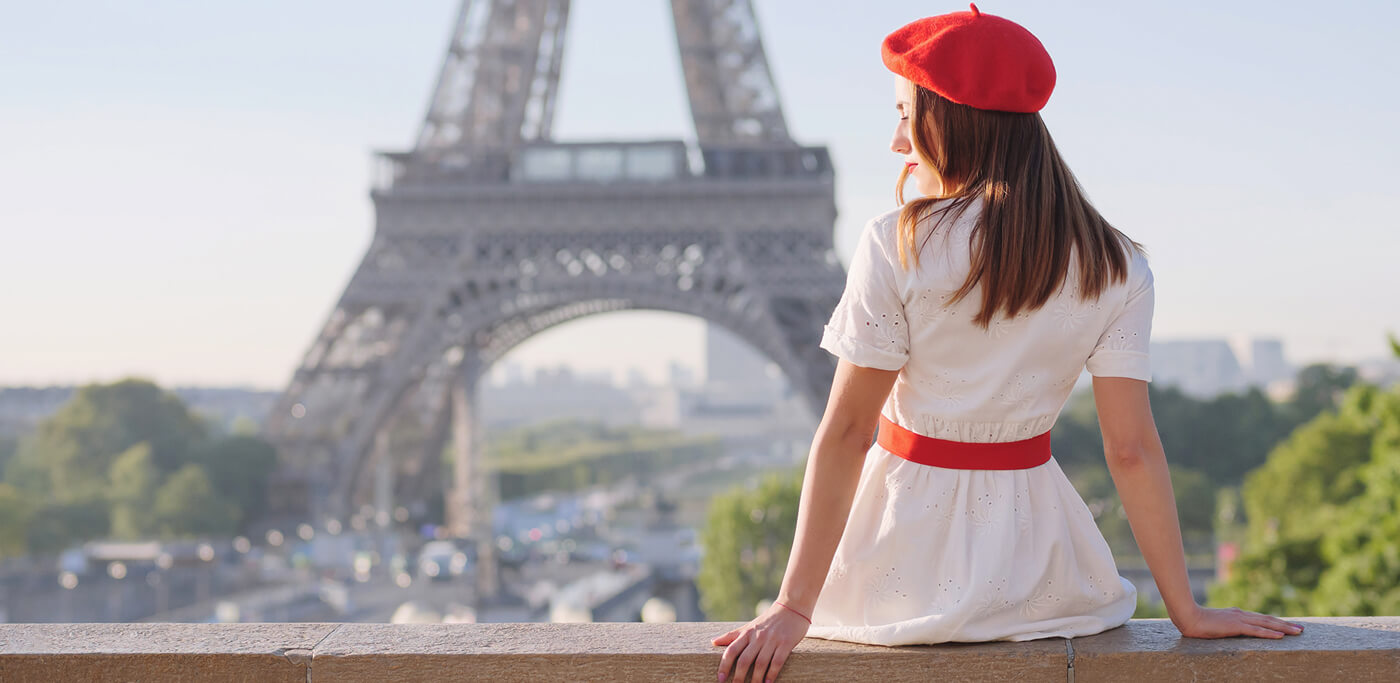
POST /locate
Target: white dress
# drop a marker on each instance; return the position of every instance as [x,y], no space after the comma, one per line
[930,554]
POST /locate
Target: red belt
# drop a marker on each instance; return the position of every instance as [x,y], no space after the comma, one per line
[961,455]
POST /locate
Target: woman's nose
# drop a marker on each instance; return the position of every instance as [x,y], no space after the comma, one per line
[900,143]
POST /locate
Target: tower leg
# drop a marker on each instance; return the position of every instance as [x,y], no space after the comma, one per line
[471,498]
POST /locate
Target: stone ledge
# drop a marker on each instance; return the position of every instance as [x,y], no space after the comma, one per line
[1353,649]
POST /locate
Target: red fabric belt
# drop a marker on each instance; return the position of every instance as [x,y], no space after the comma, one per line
[961,455]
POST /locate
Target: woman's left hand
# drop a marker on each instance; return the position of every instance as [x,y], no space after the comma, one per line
[762,644]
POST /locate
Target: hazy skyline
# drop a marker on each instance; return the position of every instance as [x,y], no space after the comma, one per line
[186,185]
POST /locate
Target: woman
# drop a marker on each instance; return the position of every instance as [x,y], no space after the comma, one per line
[968,315]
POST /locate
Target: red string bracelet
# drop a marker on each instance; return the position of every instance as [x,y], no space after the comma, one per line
[809,620]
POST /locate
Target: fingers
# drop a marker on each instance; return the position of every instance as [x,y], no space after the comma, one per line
[1259,631]
[728,637]
[1273,623]
[760,664]
[779,658]
[745,661]
[731,654]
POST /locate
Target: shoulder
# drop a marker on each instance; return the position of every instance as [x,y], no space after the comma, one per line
[1139,269]
[884,227]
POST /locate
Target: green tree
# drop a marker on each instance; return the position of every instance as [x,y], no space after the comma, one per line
[134,482]
[75,447]
[1319,387]
[8,446]
[186,505]
[1222,438]
[1322,533]
[15,512]
[1362,552]
[747,538]
[238,467]
[1195,504]
[56,525]
[1298,490]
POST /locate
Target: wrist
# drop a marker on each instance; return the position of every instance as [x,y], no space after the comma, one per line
[806,616]
[796,602]
[1183,612]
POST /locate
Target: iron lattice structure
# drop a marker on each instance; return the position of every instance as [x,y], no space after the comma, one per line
[489,232]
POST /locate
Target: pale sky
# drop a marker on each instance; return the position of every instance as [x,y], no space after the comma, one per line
[184,186]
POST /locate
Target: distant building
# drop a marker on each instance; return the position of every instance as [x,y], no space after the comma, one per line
[558,393]
[1209,367]
[682,376]
[1263,361]
[737,374]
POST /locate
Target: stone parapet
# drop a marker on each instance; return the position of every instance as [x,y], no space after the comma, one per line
[1354,650]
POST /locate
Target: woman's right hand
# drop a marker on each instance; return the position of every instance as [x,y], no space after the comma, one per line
[762,645]
[1210,622]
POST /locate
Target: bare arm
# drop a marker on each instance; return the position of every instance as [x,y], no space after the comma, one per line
[828,487]
[829,484]
[1138,464]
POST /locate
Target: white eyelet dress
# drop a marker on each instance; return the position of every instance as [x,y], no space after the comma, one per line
[931,554]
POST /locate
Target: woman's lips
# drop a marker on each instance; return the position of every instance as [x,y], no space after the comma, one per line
[909,165]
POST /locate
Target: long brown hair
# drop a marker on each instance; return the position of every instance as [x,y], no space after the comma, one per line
[1035,214]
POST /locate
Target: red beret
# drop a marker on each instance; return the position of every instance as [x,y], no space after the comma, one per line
[975,59]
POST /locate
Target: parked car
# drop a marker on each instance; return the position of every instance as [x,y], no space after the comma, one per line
[442,561]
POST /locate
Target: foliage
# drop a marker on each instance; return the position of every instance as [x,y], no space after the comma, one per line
[1149,609]
[116,461]
[1319,389]
[55,525]
[8,446]
[1324,516]
[186,505]
[15,513]
[1195,502]
[133,484]
[238,467]
[566,455]
[74,448]
[1223,437]
[747,539]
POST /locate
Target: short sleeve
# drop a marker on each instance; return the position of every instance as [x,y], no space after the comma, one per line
[1123,347]
[868,327]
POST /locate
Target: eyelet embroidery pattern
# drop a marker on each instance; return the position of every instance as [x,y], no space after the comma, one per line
[993,597]
[1018,392]
[883,586]
[941,511]
[1089,601]
[1004,326]
[1121,340]
[1070,316]
[946,388]
[947,595]
[1042,602]
[887,330]
[929,307]
[1023,513]
[983,513]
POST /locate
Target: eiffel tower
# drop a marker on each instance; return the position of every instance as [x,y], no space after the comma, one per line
[489,231]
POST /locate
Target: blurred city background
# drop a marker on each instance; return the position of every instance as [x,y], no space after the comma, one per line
[507,311]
